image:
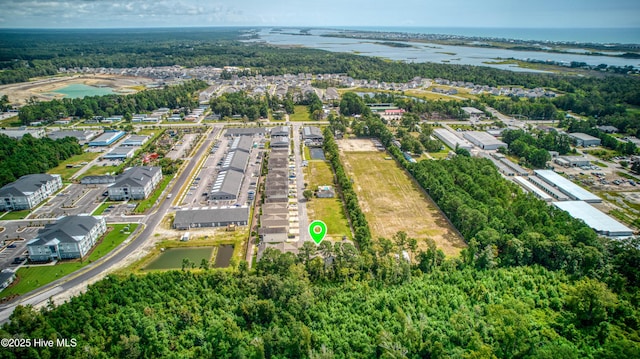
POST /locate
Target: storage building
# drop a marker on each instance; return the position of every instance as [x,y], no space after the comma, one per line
[451,140]
[584,140]
[600,222]
[484,140]
[211,217]
[227,185]
[107,138]
[567,187]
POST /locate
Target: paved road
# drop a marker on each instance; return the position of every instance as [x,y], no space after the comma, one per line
[142,233]
[303,219]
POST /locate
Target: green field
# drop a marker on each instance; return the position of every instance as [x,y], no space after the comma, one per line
[392,202]
[301,113]
[15,215]
[148,203]
[102,207]
[100,170]
[32,277]
[65,172]
[328,210]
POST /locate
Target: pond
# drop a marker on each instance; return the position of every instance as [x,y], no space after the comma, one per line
[317,154]
[224,256]
[172,257]
[80,90]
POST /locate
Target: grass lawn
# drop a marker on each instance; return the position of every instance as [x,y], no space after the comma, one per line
[100,170]
[32,277]
[328,210]
[65,172]
[102,207]
[307,153]
[301,113]
[392,202]
[11,122]
[600,164]
[148,203]
[15,215]
[627,176]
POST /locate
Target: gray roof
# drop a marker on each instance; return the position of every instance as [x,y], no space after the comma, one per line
[134,140]
[136,176]
[68,229]
[246,131]
[232,214]
[120,151]
[311,132]
[230,182]
[236,160]
[80,135]
[280,131]
[242,143]
[583,136]
[25,185]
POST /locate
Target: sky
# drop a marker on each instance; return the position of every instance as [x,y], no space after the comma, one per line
[320,13]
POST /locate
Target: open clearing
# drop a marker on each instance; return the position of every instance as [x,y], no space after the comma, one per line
[41,88]
[392,202]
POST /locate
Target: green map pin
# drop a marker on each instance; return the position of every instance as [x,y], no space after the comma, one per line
[317,231]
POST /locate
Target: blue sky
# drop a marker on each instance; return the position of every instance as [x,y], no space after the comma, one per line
[419,13]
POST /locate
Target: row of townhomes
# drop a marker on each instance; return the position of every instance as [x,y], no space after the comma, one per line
[28,191]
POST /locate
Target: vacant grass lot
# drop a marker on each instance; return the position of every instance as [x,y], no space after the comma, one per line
[65,172]
[32,277]
[328,210]
[301,113]
[392,202]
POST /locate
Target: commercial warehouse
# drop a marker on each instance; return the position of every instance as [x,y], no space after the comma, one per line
[600,222]
[120,153]
[450,139]
[584,140]
[107,138]
[236,160]
[567,187]
[227,185]
[242,143]
[549,189]
[211,217]
[530,187]
[483,140]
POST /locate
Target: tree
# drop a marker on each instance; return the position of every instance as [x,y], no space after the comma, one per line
[591,301]
[308,194]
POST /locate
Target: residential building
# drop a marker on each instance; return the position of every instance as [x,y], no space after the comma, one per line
[106,179]
[68,238]
[6,278]
[28,191]
[135,183]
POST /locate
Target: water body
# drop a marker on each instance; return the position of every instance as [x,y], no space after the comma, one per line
[598,36]
[223,258]
[172,257]
[81,90]
[427,52]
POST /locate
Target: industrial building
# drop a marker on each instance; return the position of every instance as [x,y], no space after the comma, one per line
[584,140]
[19,132]
[572,161]
[211,217]
[120,153]
[107,138]
[530,187]
[227,185]
[68,238]
[280,131]
[236,160]
[28,191]
[549,189]
[592,217]
[514,166]
[242,143]
[450,139]
[280,142]
[246,131]
[567,187]
[502,168]
[135,183]
[473,113]
[311,133]
[82,136]
[483,140]
[135,141]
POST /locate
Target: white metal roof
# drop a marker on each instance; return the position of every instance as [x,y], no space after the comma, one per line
[569,188]
[600,222]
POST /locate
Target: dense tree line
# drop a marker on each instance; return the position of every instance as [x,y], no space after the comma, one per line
[533,109]
[534,147]
[179,96]
[359,223]
[284,310]
[30,155]
[240,104]
[607,140]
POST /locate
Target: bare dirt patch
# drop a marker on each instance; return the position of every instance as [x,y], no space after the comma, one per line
[357,145]
[41,89]
[393,202]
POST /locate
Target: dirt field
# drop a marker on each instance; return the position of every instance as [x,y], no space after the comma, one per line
[41,89]
[392,202]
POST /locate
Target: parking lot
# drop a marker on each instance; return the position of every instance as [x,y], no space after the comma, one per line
[73,199]
[14,236]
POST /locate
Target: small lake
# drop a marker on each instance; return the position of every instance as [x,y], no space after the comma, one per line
[224,256]
[317,154]
[172,257]
[81,90]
